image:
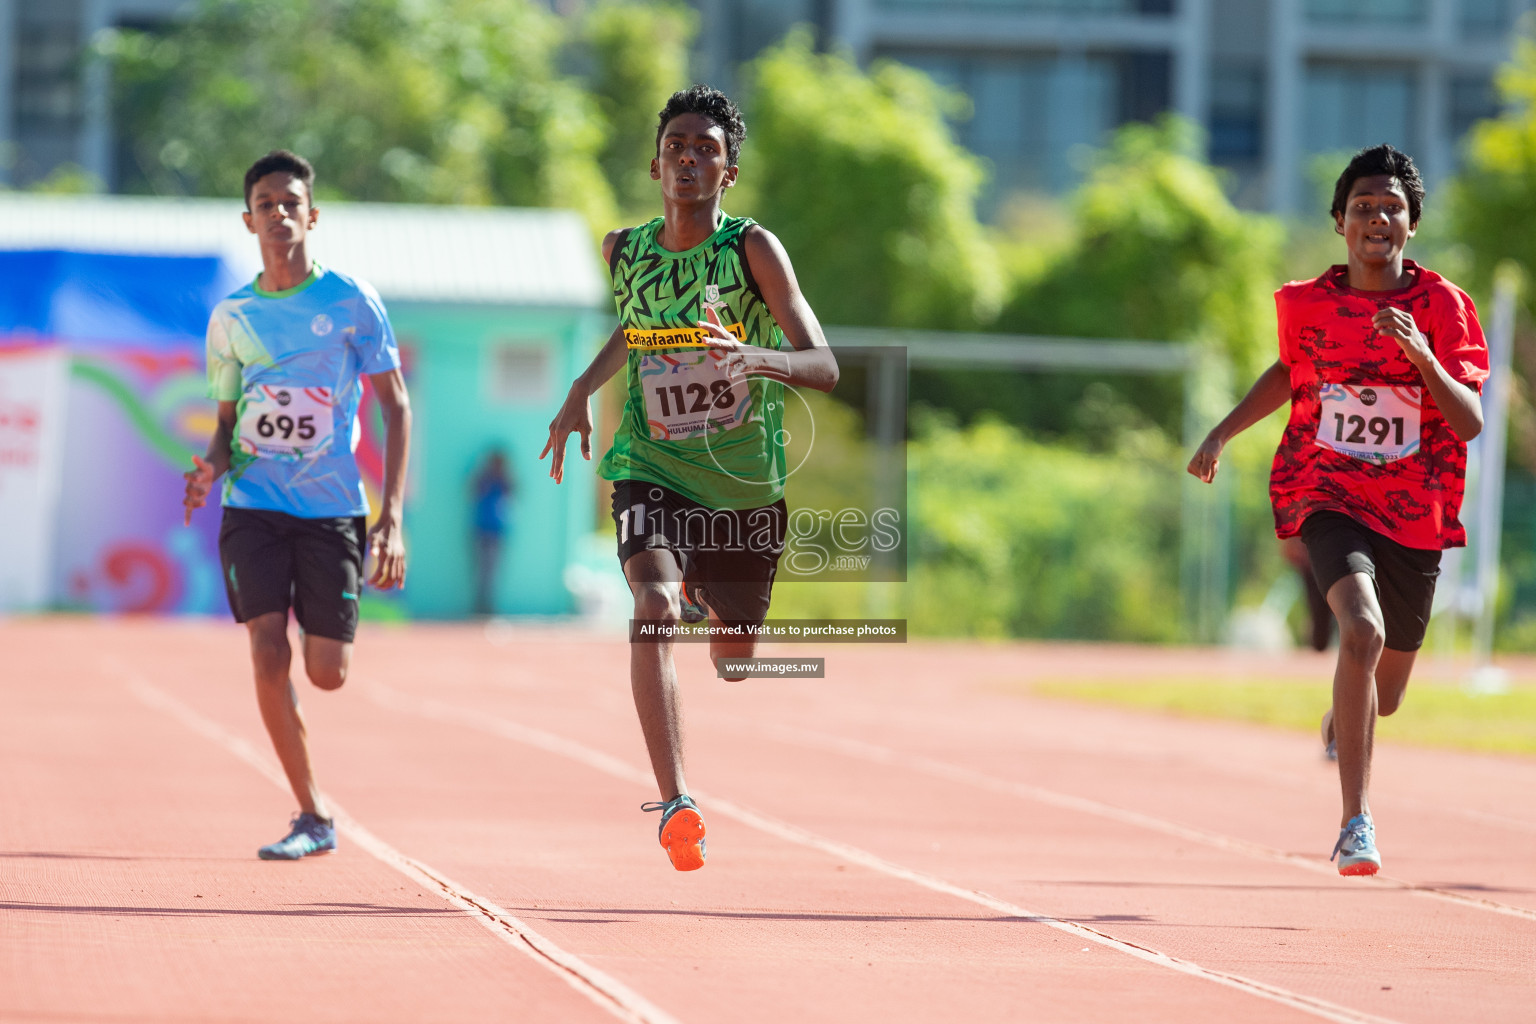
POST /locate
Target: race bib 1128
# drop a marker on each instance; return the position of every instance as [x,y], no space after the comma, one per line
[1371,422]
[687,394]
[286,422]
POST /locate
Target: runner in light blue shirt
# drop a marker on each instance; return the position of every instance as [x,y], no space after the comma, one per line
[292,361]
[286,357]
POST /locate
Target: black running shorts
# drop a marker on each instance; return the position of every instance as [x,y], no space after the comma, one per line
[273,560]
[732,554]
[1404,577]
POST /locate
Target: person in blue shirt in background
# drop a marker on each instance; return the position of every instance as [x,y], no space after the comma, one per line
[494,488]
[286,358]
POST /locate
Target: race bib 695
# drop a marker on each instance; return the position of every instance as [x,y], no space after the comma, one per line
[286,422]
[1372,422]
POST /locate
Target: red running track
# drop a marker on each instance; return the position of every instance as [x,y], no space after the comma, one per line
[910,839]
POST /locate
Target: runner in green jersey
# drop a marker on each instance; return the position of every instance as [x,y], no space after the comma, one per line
[706,305]
[685,425]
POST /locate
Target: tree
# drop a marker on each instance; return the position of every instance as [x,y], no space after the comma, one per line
[457,101]
[1493,200]
[1493,212]
[1158,253]
[638,56]
[875,202]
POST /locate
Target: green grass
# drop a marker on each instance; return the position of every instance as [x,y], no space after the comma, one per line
[1431,716]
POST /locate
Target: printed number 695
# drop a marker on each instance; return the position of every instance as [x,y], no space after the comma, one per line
[268,425]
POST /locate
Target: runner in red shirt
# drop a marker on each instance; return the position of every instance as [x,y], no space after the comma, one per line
[1382,361]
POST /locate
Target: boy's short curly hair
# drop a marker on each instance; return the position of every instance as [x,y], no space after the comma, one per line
[710,103]
[280,160]
[1382,159]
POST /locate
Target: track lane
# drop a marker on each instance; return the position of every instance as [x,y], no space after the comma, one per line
[776,928]
[129,888]
[1408,961]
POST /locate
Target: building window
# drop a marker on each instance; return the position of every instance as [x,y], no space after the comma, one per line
[1146,85]
[1038,6]
[1473,99]
[1366,10]
[1486,17]
[758,24]
[520,373]
[1031,113]
[1237,113]
[48,78]
[1349,107]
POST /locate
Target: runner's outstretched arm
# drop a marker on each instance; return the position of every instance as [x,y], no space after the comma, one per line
[386,540]
[575,415]
[812,363]
[1269,392]
[1459,404]
[211,466]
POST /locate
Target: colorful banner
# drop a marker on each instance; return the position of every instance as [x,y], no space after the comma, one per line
[32,382]
[135,418]
[108,355]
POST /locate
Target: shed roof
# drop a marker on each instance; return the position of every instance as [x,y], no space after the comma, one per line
[412,253]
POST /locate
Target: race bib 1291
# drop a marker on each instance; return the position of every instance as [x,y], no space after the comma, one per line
[286,422]
[1371,422]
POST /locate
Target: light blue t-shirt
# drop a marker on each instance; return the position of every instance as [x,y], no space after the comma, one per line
[293,363]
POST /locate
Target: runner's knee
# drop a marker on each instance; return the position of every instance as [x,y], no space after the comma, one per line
[656,602]
[1361,636]
[326,661]
[327,677]
[270,651]
[1387,703]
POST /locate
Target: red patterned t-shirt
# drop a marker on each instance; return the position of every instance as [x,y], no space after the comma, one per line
[1365,437]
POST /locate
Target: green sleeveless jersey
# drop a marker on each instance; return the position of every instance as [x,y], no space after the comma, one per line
[686,425]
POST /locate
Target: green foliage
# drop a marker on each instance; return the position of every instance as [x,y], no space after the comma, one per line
[457,101]
[639,57]
[1008,537]
[67,180]
[1018,538]
[1432,716]
[858,175]
[1160,254]
[1494,198]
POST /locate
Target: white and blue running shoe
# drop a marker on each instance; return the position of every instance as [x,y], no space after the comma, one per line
[307,836]
[1356,848]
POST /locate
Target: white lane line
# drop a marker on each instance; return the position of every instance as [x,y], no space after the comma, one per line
[551,743]
[875,754]
[607,992]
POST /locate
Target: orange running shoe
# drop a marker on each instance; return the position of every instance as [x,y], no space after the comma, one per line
[692,601]
[681,832]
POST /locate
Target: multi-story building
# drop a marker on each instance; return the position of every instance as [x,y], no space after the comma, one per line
[1275,82]
[55,102]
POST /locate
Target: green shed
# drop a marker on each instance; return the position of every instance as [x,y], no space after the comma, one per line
[496,312]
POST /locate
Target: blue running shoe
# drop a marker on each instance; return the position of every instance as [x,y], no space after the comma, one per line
[1356,848]
[1330,744]
[681,832]
[692,601]
[307,836]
